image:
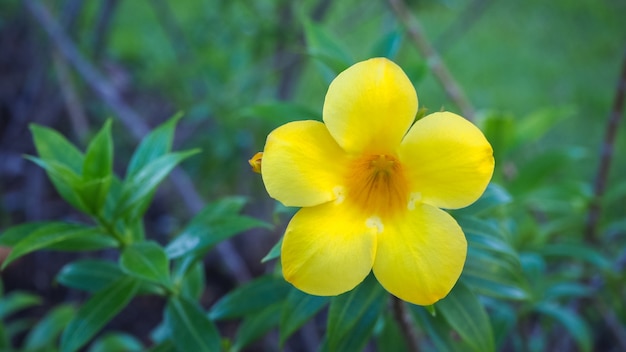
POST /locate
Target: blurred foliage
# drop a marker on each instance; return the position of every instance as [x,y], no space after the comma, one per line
[542,74]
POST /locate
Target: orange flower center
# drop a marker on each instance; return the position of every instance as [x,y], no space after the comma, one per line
[377,185]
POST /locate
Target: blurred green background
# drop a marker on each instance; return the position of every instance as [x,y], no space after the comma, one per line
[541,74]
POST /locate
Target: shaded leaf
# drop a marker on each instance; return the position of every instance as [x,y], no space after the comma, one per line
[52,146]
[60,236]
[97,169]
[98,311]
[266,290]
[352,316]
[47,330]
[147,261]
[274,252]
[574,323]
[464,312]
[16,301]
[256,325]
[117,342]
[324,47]
[297,309]
[191,329]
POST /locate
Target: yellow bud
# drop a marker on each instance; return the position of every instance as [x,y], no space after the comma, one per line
[255,162]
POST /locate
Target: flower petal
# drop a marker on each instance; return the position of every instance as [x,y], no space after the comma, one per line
[302,164]
[370,106]
[328,249]
[420,256]
[448,160]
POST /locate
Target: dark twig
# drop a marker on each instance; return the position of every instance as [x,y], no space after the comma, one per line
[135,124]
[606,154]
[401,314]
[434,61]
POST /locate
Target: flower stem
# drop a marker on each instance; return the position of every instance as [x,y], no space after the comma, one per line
[606,153]
[401,314]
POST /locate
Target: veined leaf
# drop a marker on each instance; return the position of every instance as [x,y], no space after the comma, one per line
[216,222]
[464,312]
[47,330]
[191,329]
[352,316]
[98,161]
[147,261]
[266,290]
[297,309]
[60,236]
[52,146]
[98,311]
[153,146]
[256,325]
[141,185]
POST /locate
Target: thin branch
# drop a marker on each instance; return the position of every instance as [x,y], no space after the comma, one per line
[606,154]
[133,121]
[401,314]
[416,34]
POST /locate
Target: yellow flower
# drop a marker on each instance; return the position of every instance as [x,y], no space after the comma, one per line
[370,184]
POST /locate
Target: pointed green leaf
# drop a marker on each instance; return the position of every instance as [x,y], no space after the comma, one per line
[98,311]
[117,342]
[297,309]
[579,251]
[140,187]
[153,146]
[494,196]
[11,236]
[60,236]
[147,261]
[216,222]
[48,329]
[266,290]
[325,47]
[191,329]
[574,323]
[390,337]
[256,325]
[353,315]
[65,180]
[388,45]
[90,275]
[274,252]
[16,301]
[97,170]
[52,146]
[436,329]
[464,312]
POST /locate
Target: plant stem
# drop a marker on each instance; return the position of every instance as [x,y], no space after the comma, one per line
[416,34]
[401,314]
[606,153]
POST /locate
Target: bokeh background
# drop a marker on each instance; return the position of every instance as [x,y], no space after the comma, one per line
[238,69]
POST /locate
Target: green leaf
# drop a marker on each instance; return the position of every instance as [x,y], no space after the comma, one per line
[98,169]
[98,311]
[47,330]
[11,236]
[138,189]
[60,236]
[153,146]
[436,329]
[535,125]
[90,275]
[147,261]
[4,337]
[353,315]
[493,197]
[165,346]
[464,312]
[52,146]
[573,322]
[389,337]
[298,308]
[266,290]
[216,222]
[192,282]
[325,47]
[388,45]
[578,251]
[256,325]
[16,301]
[191,329]
[65,180]
[567,290]
[279,112]
[274,252]
[117,342]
